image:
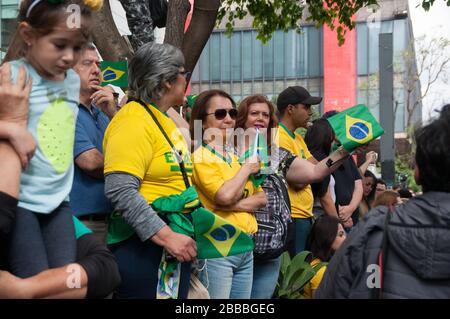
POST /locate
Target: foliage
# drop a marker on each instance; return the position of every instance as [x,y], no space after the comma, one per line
[294,275]
[433,60]
[426,4]
[271,15]
[404,172]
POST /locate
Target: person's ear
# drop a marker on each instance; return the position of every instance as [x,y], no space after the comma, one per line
[167,86]
[27,33]
[417,175]
[290,109]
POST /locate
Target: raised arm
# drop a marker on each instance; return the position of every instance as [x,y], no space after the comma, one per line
[303,172]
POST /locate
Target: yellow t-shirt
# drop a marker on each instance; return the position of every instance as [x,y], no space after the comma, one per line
[211,170]
[314,283]
[301,201]
[134,144]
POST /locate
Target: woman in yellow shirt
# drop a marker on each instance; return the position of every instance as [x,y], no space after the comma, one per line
[327,235]
[140,167]
[223,186]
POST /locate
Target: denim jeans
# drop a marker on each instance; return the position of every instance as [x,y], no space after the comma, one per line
[302,229]
[138,266]
[265,276]
[41,241]
[228,277]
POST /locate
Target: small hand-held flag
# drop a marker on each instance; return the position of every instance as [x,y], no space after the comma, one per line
[258,148]
[115,73]
[355,126]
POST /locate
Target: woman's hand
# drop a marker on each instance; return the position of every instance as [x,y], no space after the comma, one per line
[182,247]
[251,165]
[14,96]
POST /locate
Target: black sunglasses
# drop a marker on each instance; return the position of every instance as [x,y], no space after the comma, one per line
[220,114]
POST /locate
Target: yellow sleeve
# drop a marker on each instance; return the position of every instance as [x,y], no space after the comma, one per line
[308,154]
[315,281]
[207,178]
[128,146]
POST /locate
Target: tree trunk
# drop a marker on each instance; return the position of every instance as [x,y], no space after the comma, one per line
[111,45]
[202,24]
[176,19]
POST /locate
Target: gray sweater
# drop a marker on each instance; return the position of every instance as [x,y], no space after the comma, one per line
[122,189]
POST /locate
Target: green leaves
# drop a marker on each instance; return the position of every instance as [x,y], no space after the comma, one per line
[294,275]
[271,15]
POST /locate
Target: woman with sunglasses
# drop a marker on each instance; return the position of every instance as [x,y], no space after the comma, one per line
[223,186]
[327,235]
[142,166]
[257,111]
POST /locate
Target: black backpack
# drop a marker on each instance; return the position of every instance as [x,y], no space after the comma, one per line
[158,11]
[273,220]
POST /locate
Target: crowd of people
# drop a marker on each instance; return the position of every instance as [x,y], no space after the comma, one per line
[83,180]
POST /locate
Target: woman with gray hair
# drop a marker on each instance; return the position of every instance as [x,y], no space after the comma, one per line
[142,166]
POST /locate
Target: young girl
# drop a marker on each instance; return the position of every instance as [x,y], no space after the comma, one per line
[326,236]
[47,43]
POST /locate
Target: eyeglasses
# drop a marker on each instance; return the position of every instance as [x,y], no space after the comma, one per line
[186,74]
[220,114]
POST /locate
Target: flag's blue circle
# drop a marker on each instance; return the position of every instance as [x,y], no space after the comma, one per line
[109,75]
[223,233]
[359,131]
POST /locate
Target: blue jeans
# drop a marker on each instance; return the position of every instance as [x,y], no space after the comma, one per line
[228,277]
[302,229]
[41,241]
[265,276]
[138,266]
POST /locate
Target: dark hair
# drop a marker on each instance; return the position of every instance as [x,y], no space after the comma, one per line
[322,236]
[319,137]
[43,18]
[380,181]
[201,106]
[329,114]
[243,113]
[371,195]
[404,193]
[433,153]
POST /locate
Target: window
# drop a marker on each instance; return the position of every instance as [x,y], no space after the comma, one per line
[314,51]
[247,57]
[236,51]
[290,54]
[215,56]
[361,48]
[279,48]
[225,54]
[268,59]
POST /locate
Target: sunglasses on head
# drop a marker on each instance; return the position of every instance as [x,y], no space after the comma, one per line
[220,114]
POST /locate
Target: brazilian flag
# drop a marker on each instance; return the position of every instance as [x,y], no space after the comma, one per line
[258,148]
[355,126]
[115,73]
[216,238]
